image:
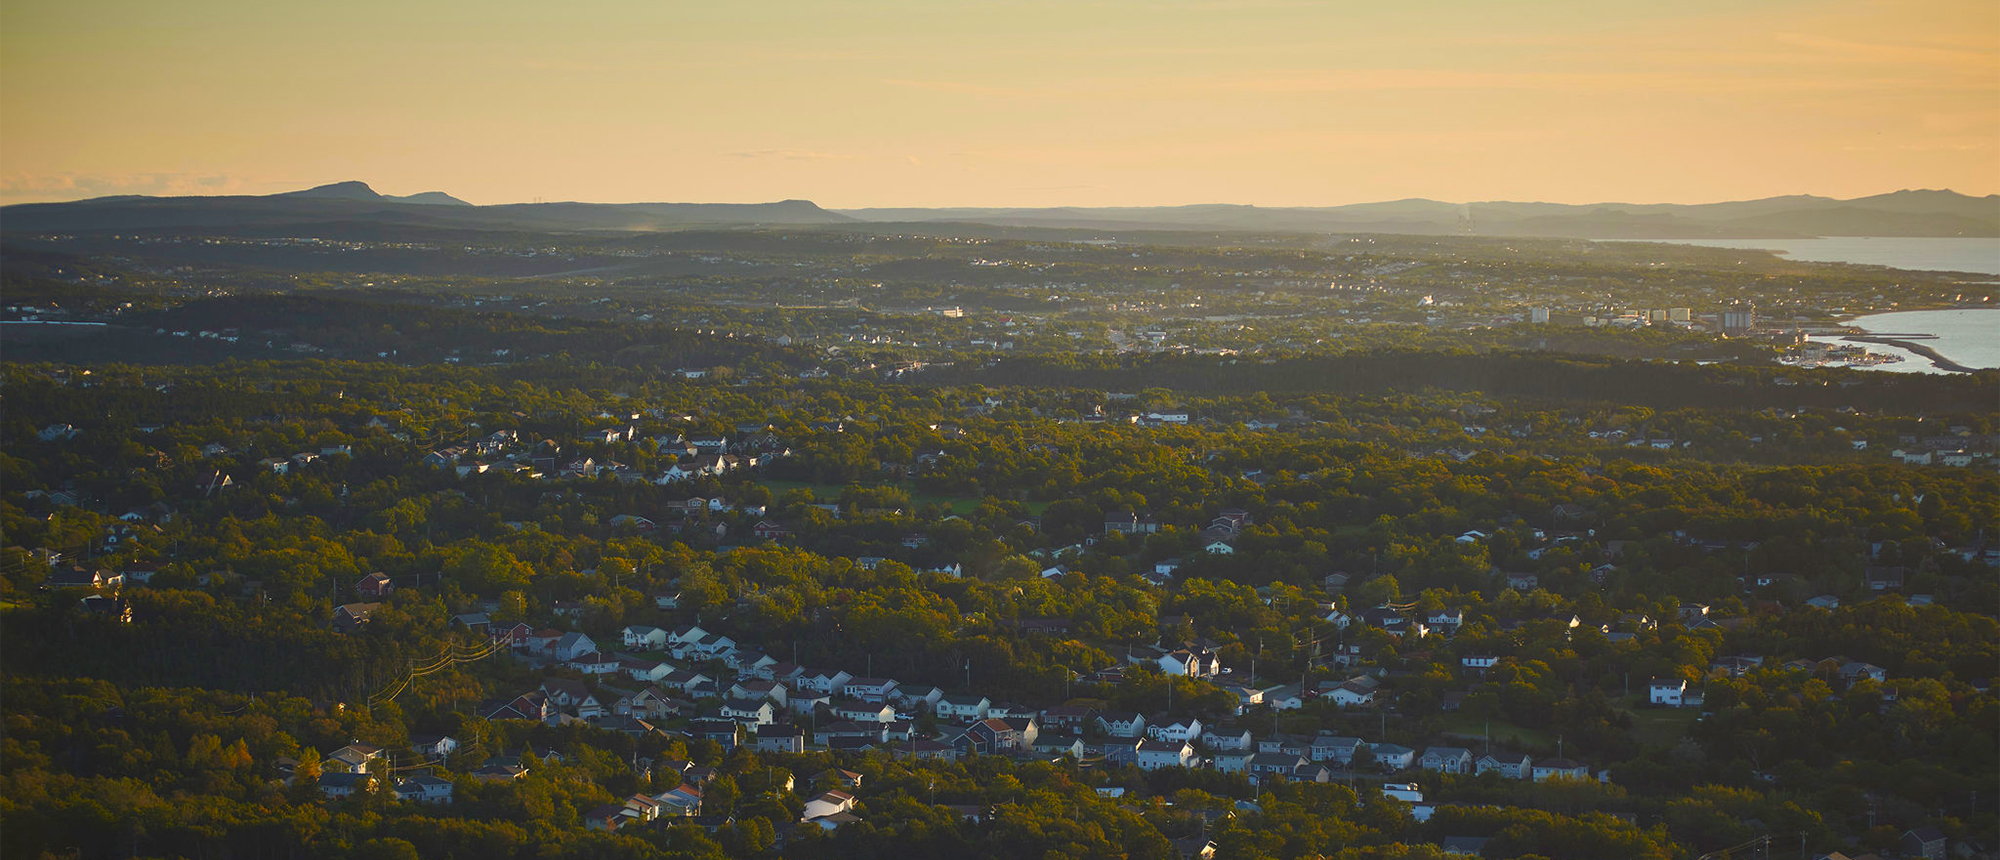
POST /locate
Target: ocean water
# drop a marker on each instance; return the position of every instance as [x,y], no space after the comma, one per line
[1969,336]
[1942,255]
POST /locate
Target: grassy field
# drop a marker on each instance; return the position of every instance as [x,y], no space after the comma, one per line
[1659,727]
[1505,735]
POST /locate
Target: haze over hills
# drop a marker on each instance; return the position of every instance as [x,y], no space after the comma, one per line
[1901,213]
[350,206]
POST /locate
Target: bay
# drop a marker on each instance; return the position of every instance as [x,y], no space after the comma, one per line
[1923,253]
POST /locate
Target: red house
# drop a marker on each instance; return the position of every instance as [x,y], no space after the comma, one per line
[375,585]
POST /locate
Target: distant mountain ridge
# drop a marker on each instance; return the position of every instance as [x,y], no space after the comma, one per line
[349,204]
[360,191]
[1900,213]
[352,207]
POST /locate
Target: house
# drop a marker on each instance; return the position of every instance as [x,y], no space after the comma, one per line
[1153,755]
[689,682]
[1122,724]
[921,697]
[644,638]
[1289,697]
[963,707]
[1554,768]
[424,789]
[1269,764]
[871,732]
[1219,548]
[1057,746]
[574,697]
[570,646]
[533,706]
[351,616]
[651,703]
[1392,757]
[1408,792]
[758,688]
[1219,739]
[784,738]
[1334,748]
[594,663]
[865,712]
[1666,691]
[375,585]
[754,712]
[1162,727]
[1925,842]
[828,803]
[1479,661]
[434,746]
[868,689]
[1855,671]
[341,784]
[991,737]
[644,671]
[1447,760]
[724,732]
[607,818]
[821,681]
[1311,772]
[1507,764]
[352,758]
[1127,522]
[77,577]
[1349,695]
[1883,578]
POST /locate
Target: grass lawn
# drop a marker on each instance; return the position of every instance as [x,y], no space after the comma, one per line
[1660,727]
[1505,735]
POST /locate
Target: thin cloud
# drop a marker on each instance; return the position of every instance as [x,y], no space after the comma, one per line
[789,155]
[73,186]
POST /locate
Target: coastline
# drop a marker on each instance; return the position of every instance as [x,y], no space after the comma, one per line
[1937,359]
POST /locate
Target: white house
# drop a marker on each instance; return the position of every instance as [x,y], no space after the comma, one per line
[821,681]
[1154,755]
[972,707]
[830,803]
[1447,760]
[1177,729]
[572,646]
[1350,695]
[424,789]
[1552,768]
[868,689]
[1666,691]
[1393,756]
[1216,739]
[1122,724]
[645,638]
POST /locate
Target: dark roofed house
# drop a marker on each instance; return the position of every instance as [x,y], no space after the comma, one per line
[353,615]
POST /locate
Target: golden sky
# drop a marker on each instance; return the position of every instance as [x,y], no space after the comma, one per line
[1005,103]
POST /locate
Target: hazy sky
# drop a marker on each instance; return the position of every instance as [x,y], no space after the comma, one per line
[939,102]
